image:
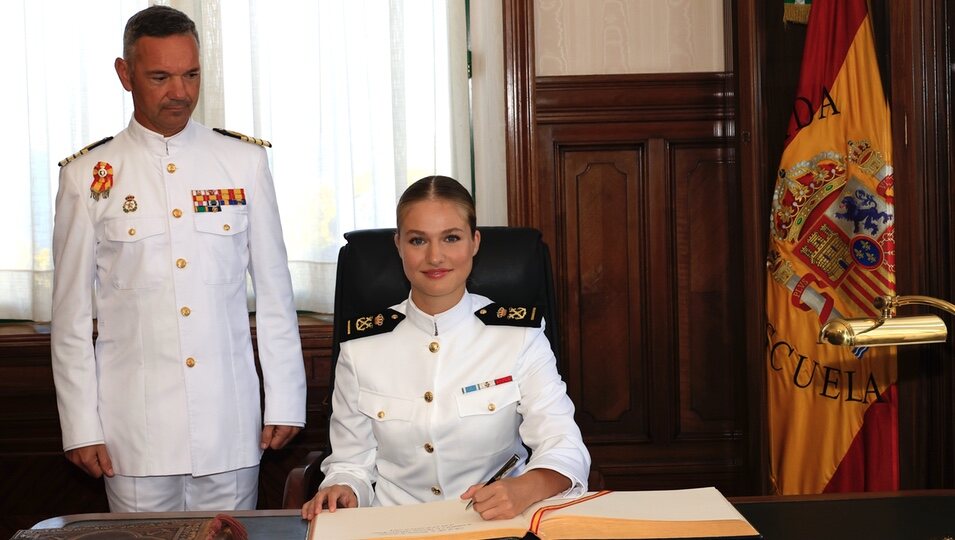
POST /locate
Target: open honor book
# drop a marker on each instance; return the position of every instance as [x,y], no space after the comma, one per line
[684,513]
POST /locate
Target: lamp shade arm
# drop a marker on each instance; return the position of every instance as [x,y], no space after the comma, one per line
[888,329]
[868,332]
[888,304]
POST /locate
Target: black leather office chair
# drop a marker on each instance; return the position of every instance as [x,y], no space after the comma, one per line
[512,268]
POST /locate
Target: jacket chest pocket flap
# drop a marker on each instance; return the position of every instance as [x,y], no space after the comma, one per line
[382,408]
[227,223]
[133,229]
[224,243]
[488,400]
[137,264]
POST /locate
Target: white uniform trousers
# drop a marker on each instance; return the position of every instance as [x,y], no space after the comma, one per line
[230,490]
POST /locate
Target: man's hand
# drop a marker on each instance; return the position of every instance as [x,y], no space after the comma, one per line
[275,437]
[94,460]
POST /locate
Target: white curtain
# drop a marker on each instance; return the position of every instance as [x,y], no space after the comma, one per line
[359,99]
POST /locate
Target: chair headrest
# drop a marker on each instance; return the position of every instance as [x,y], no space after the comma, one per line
[508,269]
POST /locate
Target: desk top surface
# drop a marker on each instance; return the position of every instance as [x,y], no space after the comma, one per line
[913,515]
[909,515]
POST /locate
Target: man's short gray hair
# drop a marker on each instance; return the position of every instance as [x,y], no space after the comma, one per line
[156,21]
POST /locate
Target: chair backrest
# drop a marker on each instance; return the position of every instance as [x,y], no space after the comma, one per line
[512,268]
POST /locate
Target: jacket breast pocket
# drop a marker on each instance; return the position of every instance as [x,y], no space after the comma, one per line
[489,401]
[224,241]
[492,412]
[391,421]
[134,248]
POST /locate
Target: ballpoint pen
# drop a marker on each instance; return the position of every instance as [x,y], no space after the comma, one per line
[497,476]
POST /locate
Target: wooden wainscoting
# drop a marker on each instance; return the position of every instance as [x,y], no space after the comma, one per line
[639,197]
[37,482]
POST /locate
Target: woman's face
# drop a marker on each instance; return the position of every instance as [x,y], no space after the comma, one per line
[436,248]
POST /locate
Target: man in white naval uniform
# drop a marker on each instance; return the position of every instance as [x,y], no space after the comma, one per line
[161,224]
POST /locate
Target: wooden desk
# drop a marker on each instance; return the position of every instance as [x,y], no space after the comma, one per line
[905,515]
[902,515]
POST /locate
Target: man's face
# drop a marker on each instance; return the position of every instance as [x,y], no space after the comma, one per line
[163,76]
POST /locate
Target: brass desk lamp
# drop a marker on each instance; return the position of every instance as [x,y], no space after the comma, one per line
[889,329]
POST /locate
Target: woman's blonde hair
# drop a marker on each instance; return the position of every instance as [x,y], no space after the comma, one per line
[437,188]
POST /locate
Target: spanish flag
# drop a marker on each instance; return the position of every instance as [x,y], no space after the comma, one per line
[832,410]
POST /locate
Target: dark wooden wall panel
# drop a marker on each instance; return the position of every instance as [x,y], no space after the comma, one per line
[598,193]
[708,285]
[639,197]
[921,39]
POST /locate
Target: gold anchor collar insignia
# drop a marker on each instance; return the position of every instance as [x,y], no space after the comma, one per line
[499,315]
[370,325]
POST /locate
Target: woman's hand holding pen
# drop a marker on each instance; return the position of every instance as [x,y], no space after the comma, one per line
[509,497]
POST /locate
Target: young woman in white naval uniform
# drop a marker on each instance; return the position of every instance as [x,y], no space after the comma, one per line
[434,394]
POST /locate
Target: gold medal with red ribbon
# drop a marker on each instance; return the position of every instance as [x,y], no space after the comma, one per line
[102,180]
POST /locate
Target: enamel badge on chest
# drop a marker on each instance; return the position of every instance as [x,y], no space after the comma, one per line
[102,180]
[130,204]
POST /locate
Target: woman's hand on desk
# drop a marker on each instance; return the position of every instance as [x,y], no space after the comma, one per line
[509,497]
[93,459]
[332,497]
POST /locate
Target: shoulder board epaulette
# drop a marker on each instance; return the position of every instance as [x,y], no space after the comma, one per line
[85,150]
[370,325]
[241,137]
[498,315]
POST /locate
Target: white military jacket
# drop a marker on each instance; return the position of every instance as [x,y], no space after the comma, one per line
[440,402]
[166,228]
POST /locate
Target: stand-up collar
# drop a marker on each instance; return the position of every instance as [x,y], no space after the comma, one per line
[442,322]
[161,145]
